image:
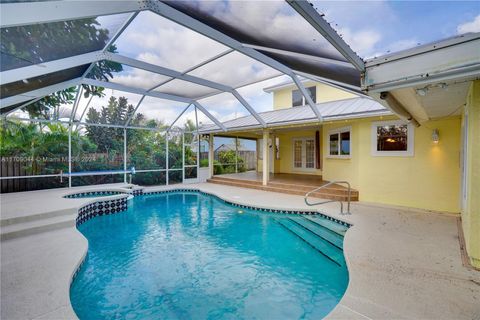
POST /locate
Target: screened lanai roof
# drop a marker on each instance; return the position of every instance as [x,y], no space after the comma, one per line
[169,59]
[333,110]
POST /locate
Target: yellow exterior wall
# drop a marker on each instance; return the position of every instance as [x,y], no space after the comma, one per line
[282,98]
[428,180]
[471,210]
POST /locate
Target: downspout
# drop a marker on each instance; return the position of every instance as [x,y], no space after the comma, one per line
[398,108]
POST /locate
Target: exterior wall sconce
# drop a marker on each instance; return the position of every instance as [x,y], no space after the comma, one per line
[435,136]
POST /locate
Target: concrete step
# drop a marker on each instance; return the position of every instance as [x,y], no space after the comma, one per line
[334,189]
[322,194]
[36,226]
[33,217]
[252,182]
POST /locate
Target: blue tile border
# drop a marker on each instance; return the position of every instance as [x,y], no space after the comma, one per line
[295,212]
[100,208]
[92,194]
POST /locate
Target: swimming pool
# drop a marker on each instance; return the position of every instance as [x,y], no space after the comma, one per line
[188,255]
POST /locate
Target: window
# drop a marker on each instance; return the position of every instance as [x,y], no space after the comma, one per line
[339,143]
[299,101]
[392,138]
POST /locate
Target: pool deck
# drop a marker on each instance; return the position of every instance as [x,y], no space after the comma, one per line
[403,263]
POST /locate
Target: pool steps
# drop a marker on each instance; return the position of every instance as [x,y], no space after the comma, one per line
[321,231]
[42,223]
[309,232]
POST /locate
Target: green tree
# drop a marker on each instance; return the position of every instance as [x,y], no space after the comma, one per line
[34,44]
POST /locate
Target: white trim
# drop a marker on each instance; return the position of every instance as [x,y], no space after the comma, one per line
[410,139]
[338,131]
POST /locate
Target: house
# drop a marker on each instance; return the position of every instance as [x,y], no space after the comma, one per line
[386,160]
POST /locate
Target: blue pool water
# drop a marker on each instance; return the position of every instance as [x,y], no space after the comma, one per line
[187,255]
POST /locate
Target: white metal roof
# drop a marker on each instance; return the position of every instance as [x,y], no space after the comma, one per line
[333,110]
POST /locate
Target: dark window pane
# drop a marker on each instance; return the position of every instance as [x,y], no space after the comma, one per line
[334,144]
[190,172]
[392,138]
[312,91]
[345,143]
[297,98]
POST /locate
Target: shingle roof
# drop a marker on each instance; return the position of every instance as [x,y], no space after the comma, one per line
[333,110]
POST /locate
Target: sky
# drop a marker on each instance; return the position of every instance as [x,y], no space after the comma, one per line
[371,28]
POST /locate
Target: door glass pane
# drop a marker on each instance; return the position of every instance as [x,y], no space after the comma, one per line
[334,144]
[345,143]
[297,155]
[309,154]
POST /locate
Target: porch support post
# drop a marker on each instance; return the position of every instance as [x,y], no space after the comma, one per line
[210,154]
[125,156]
[266,160]
[70,155]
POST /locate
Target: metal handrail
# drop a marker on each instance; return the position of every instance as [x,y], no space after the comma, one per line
[323,202]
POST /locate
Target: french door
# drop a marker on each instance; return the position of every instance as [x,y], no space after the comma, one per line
[304,153]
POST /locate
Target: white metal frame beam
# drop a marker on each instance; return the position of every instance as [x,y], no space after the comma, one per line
[302,55]
[121,87]
[307,97]
[184,72]
[34,94]
[40,69]
[28,13]
[165,96]
[174,15]
[164,71]
[308,12]
[178,117]
[181,76]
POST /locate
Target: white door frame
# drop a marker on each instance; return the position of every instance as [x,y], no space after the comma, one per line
[304,152]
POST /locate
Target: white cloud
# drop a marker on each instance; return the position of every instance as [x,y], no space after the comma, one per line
[362,41]
[471,26]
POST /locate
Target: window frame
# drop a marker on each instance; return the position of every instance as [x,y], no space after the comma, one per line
[410,139]
[339,131]
[304,102]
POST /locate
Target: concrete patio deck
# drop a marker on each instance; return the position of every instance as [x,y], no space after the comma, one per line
[403,263]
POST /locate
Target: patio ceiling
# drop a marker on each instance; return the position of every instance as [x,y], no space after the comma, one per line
[37,60]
